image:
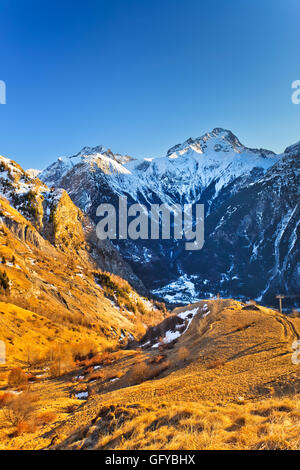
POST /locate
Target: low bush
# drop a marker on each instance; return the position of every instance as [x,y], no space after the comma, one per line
[157,359]
[20,408]
[25,427]
[142,372]
[17,377]
[183,354]
[216,363]
[45,418]
[4,281]
[5,397]
[71,408]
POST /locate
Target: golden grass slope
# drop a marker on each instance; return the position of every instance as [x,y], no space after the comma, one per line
[227,383]
[29,336]
[62,290]
[237,388]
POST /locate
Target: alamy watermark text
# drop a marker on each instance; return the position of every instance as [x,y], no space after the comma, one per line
[2,92]
[296,93]
[161,221]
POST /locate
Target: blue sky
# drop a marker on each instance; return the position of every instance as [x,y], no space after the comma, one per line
[140,76]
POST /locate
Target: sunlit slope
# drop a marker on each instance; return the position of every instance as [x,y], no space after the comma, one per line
[28,336]
[64,288]
[238,361]
[232,352]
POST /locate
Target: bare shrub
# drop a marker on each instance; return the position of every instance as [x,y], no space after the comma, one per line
[100,359]
[140,329]
[55,370]
[182,354]
[138,373]
[45,418]
[157,359]
[34,359]
[84,350]
[17,377]
[71,408]
[142,372]
[216,363]
[20,408]
[5,397]
[61,359]
[24,427]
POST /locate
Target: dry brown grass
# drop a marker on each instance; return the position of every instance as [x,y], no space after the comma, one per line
[60,289]
[142,371]
[248,400]
[204,426]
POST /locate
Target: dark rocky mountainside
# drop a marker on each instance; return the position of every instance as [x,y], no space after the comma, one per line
[251,204]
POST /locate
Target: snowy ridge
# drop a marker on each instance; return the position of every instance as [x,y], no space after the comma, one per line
[247,194]
[217,157]
[90,157]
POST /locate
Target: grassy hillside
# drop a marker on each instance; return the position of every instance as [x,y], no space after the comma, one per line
[65,287]
[93,364]
[227,382]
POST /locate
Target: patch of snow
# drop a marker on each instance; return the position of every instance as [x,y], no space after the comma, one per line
[179,291]
[184,315]
[82,395]
[32,172]
[205,314]
[171,335]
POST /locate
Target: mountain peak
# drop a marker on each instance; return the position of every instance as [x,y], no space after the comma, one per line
[218,136]
[227,135]
[219,139]
[98,151]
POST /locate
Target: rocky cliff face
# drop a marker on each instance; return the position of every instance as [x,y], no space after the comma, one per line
[58,278]
[252,240]
[56,219]
[250,198]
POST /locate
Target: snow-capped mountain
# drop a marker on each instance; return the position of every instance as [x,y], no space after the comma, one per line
[214,169]
[210,162]
[252,244]
[92,157]
[217,158]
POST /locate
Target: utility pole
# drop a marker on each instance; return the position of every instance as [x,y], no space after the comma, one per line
[280,297]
